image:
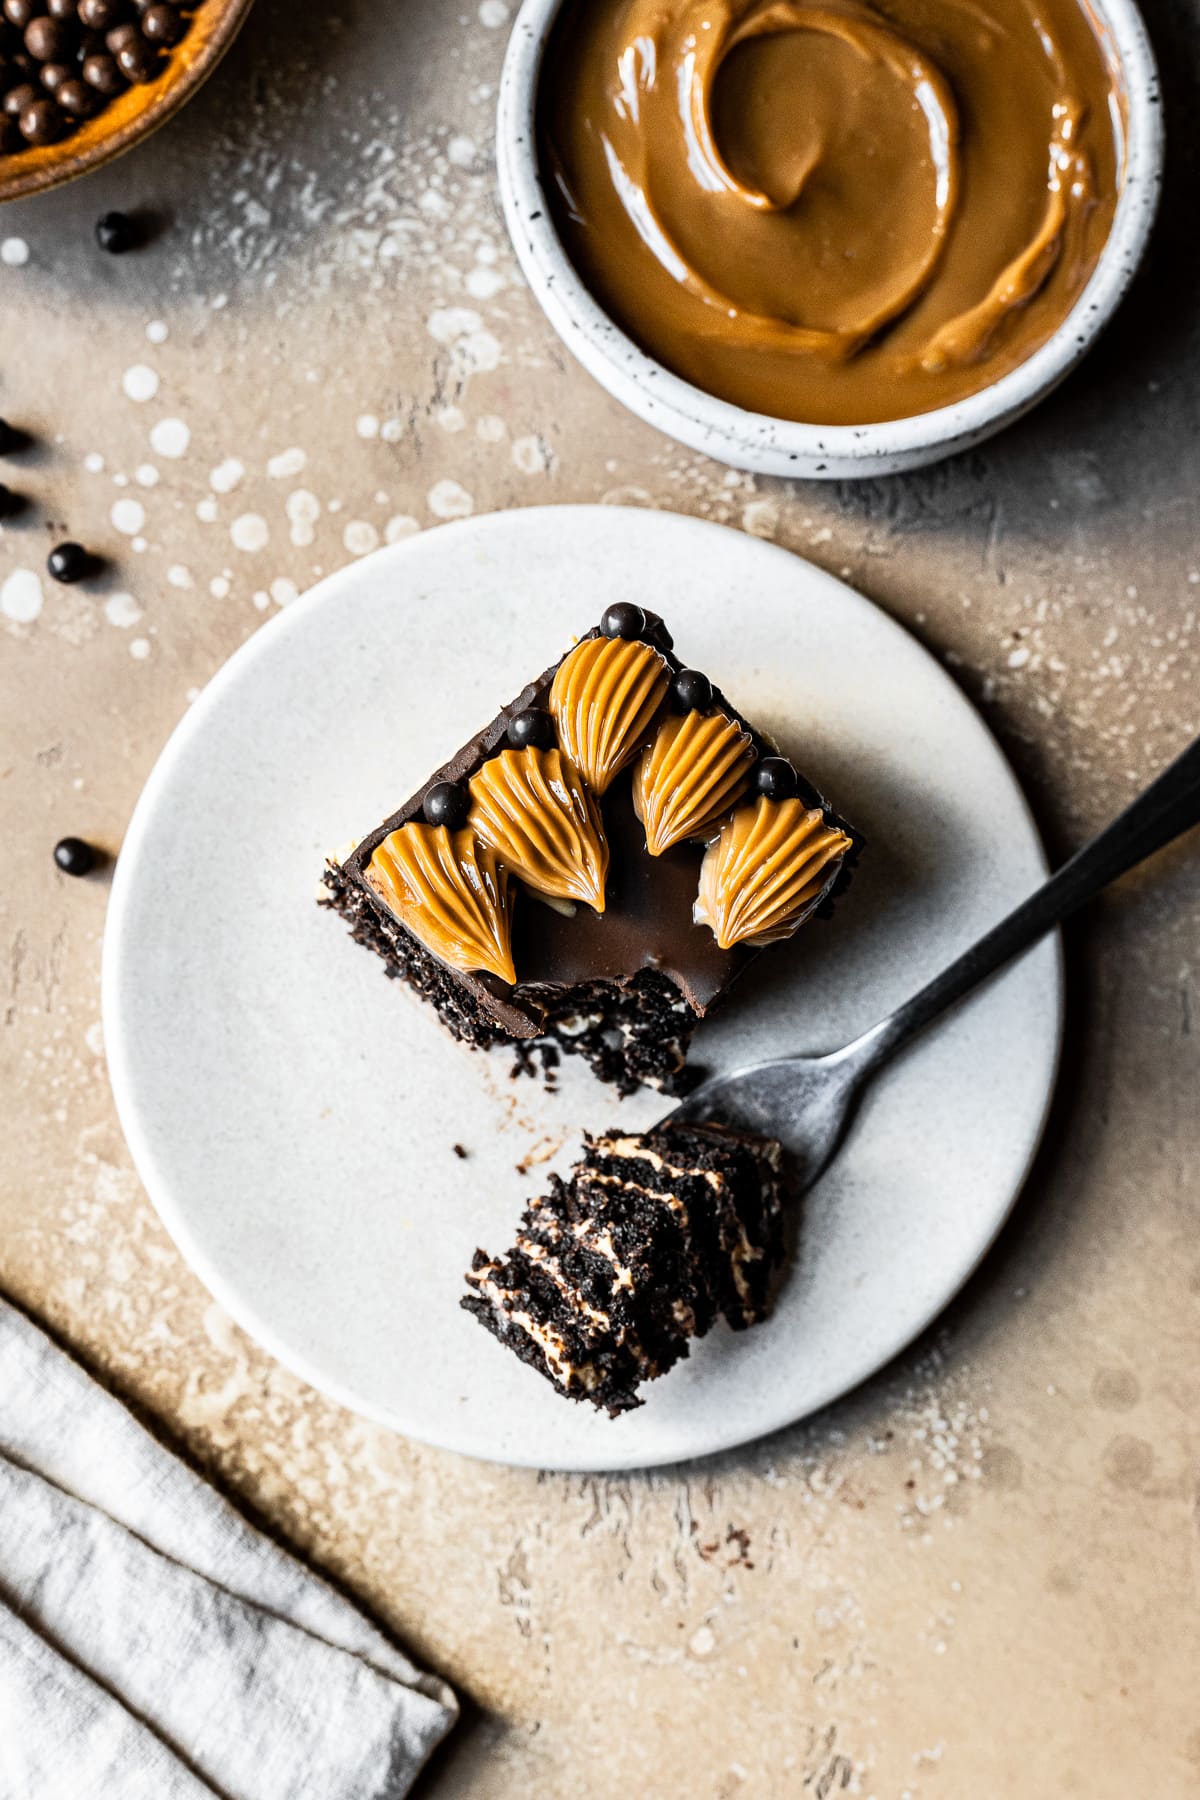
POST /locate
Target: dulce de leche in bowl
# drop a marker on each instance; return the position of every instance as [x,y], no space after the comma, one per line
[836,213]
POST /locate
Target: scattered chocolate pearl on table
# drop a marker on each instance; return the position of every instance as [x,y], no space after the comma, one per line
[162,25]
[691,691]
[116,233]
[447,803]
[74,856]
[10,503]
[624,620]
[532,727]
[69,562]
[11,439]
[775,778]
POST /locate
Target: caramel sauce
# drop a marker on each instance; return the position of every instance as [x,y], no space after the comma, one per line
[836,213]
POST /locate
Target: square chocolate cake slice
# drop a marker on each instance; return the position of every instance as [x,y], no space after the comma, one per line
[617,1269]
[599,863]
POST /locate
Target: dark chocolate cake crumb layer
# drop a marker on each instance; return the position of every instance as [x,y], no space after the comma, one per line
[616,1270]
[619,839]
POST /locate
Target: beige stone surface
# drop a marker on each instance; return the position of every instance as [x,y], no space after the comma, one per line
[978,1577]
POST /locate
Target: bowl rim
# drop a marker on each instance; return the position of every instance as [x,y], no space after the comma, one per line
[180,78]
[783,446]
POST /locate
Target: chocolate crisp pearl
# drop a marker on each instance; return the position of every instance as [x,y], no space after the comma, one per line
[447,803]
[68,562]
[10,135]
[102,73]
[10,438]
[624,620]
[533,727]
[121,35]
[10,503]
[52,76]
[61,9]
[162,25]
[691,691]
[775,777]
[100,15]
[74,856]
[18,98]
[76,98]
[116,233]
[49,40]
[138,62]
[41,122]
[20,12]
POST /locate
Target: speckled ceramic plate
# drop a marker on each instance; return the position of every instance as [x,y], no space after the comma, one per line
[294,1115]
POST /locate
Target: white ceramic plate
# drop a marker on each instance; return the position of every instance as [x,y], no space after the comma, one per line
[293,1114]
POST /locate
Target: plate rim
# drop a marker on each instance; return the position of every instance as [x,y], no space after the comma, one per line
[123,1085]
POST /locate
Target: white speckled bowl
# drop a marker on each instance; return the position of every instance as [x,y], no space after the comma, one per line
[769,446]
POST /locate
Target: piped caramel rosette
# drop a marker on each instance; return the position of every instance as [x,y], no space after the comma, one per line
[451,892]
[603,699]
[697,768]
[533,809]
[764,869]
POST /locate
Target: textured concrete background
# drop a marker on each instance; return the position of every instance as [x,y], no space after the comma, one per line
[976,1578]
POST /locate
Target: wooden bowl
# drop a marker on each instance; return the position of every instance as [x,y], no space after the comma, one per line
[134,114]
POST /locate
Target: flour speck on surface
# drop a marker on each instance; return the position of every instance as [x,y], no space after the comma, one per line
[303,511]
[450,500]
[180,576]
[288,462]
[21,596]
[226,476]
[122,610]
[140,383]
[360,536]
[367,425]
[170,438]
[128,516]
[402,526]
[250,532]
[139,649]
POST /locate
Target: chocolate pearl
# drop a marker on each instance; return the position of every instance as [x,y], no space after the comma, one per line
[138,62]
[11,439]
[42,122]
[102,73]
[691,691]
[775,778]
[532,727]
[447,803]
[162,25]
[20,12]
[49,40]
[10,135]
[69,562]
[10,503]
[77,99]
[18,98]
[624,620]
[116,233]
[74,856]
[61,9]
[120,35]
[101,15]
[53,75]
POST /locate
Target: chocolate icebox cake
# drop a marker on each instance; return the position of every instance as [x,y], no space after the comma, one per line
[599,864]
[617,1269]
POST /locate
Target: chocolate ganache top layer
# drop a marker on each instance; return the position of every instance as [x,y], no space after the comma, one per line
[604,791]
[837,213]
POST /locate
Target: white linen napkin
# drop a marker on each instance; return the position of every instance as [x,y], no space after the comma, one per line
[153,1645]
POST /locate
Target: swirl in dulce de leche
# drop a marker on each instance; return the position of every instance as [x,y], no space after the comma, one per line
[838,212]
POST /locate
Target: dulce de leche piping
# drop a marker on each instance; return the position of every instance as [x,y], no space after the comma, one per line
[602,699]
[765,869]
[837,212]
[539,818]
[451,893]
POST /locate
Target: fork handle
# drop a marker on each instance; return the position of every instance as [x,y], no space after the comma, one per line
[1169,807]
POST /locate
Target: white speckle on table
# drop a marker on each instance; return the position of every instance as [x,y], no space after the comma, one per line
[288,462]
[219,587]
[21,597]
[493,14]
[483,283]
[260,599]
[93,462]
[93,1037]
[477,353]
[122,610]
[139,544]
[530,455]
[14,253]
[157,331]
[450,500]
[139,649]
[761,518]
[1019,657]
[462,150]
[446,324]
[180,576]
[170,438]
[206,510]
[360,536]
[226,476]
[392,431]
[120,479]
[140,383]
[491,429]
[250,532]
[146,475]
[128,516]
[303,511]
[401,527]
[283,591]
[367,425]
[452,418]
